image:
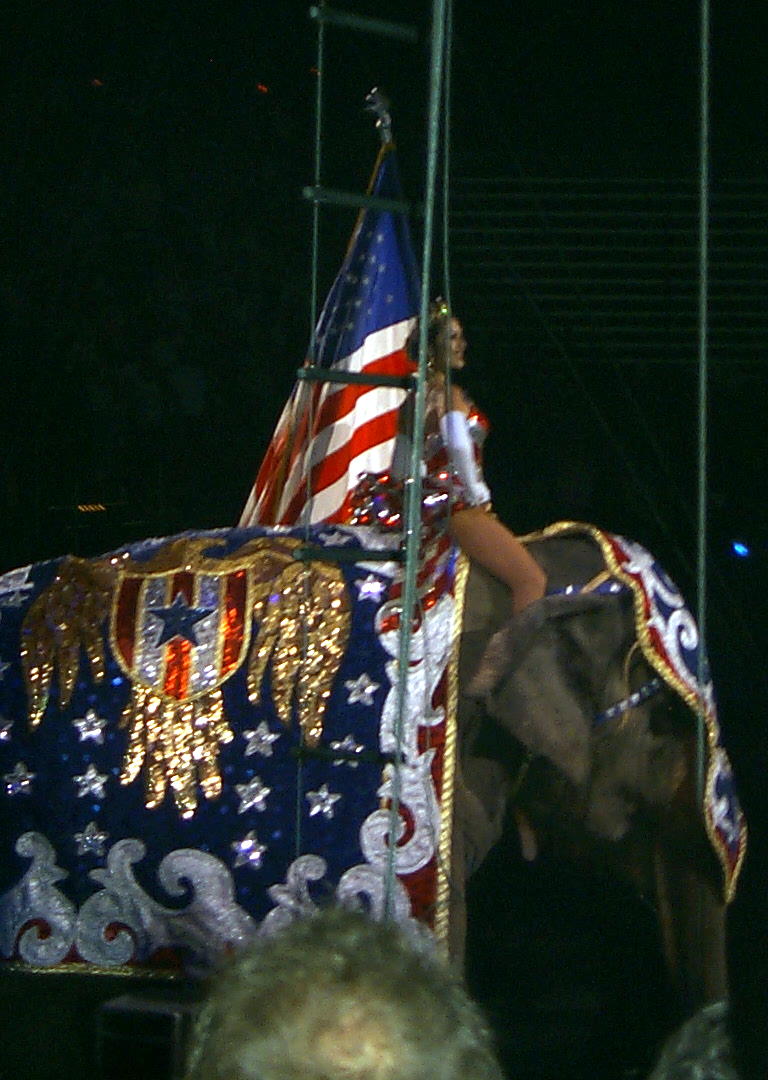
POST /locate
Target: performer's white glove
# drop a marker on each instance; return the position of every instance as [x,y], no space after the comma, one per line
[461,451]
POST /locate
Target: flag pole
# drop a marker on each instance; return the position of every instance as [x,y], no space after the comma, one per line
[377,103]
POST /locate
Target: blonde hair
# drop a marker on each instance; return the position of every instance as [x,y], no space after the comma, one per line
[700,1048]
[337,996]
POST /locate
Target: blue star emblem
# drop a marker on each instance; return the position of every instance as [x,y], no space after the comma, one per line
[179,620]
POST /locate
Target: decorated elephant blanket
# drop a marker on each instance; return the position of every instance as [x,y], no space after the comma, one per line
[667,633]
[198,737]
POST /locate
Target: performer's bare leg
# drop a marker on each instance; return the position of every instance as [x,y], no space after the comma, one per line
[483,538]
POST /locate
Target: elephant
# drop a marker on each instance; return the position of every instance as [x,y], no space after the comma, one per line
[202,737]
[572,725]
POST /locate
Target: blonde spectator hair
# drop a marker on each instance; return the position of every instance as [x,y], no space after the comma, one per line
[700,1049]
[338,996]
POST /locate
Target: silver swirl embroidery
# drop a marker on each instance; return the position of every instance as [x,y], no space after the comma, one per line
[293,899]
[36,898]
[211,921]
[417,793]
[655,581]
[724,812]
[362,888]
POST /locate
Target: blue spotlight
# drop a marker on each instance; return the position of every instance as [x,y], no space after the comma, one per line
[740,549]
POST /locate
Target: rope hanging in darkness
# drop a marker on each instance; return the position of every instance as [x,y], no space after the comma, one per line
[703,375]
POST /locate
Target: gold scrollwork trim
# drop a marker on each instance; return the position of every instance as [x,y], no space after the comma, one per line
[17,967]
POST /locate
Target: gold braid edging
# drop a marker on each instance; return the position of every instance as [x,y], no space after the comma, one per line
[670,677]
[444,863]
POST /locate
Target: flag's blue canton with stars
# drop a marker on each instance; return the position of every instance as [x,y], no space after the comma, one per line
[329,434]
[81,853]
[377,285]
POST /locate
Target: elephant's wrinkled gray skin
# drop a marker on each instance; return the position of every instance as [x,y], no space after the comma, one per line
[621,792]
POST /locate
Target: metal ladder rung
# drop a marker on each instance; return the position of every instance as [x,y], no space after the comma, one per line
[319,752]
[318,374]
[399,31]
[333,197]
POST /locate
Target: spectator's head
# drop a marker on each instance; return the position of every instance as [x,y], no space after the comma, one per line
[699,1050]
[338,996]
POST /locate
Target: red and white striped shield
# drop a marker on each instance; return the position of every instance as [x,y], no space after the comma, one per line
[181,634]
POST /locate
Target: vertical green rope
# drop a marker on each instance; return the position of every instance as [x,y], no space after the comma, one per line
[313,304]
[412,516]
[703,370]
[446,192]
[446,291]
[316,179]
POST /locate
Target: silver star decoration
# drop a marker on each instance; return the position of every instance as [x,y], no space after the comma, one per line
[91,782]
[260,741]
[5,729]
[19,782]
[349,746]
[336,538]
[370,588]
[14,598]
[253,795]
[91,840]
[4,665]
[361,689]
[14,587]
[248,851]
[321,802]
[90,726]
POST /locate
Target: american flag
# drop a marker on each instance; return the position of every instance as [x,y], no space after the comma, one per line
[330,433]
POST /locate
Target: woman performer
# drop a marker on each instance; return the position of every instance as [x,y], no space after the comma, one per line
[453,481]
[454,431]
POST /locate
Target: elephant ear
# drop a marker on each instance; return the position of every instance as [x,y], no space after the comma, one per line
[540,676]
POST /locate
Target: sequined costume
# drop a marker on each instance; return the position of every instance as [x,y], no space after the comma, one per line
[453,442]
[452,477]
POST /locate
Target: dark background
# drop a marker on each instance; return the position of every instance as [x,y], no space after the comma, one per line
[156,262]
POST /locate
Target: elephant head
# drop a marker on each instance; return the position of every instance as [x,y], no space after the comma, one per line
[538,687]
